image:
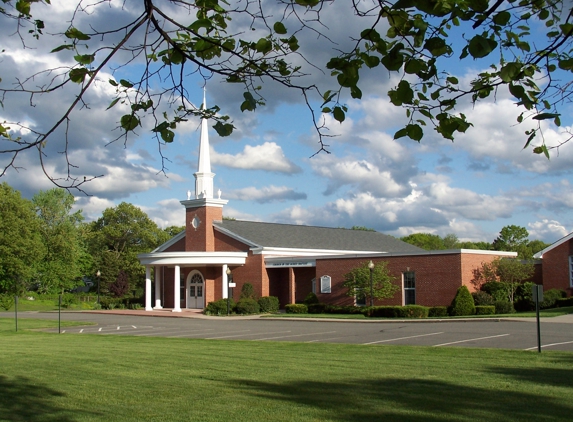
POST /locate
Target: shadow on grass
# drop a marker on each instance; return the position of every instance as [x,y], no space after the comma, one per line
[410,400]
[24,399]
[556,377]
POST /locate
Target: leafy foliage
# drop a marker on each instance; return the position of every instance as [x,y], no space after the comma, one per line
[296,308]
[268,304]
[248,292]
[463,303]
[21,246]
[311,299]
[523,48]
[357,281]
[120,287]
[246,306]
[432,242]
[219,307]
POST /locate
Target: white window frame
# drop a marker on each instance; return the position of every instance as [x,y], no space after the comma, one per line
[570,270]
[326,284]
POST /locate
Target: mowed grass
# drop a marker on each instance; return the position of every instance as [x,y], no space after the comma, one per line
[70,377]
[9,324]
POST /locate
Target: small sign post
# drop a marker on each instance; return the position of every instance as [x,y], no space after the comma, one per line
[537,291]
[16,311]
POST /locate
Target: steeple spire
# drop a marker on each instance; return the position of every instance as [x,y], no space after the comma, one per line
[204,177]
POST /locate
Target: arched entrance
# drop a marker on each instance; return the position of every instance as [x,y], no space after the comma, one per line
[196,289]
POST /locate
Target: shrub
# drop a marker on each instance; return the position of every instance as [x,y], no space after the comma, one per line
[524,305]
[463,304]
[269,304]
[482,298]
[6,301]
[347,310]
[68,300]
[438,311]
[136,306]
[109,302]
[318,308]
[485,310]
[561,303]
[503,307]
[550,297]
[310,299]
[298,308]
[409,311]
[496,289]
[247,306]
[219,307]
[247,292]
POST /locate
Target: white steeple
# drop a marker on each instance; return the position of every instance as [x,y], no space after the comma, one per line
[204,177]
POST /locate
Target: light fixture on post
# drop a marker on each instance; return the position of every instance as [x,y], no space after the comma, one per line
[229,278]
[371,267]
[98,274]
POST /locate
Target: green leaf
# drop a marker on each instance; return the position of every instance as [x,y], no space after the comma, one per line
[23,7]
[167,135]
[114,102]
[78,75]
[480,46]
[415,132]
[264,45]
[125,83]
[542,150]
[403,94]
[62,47]
[307,3]
[279,28]
[545,116]
[355,92]
[249,104]
[112,82]
[502,18]
[566,64]
[223,129]
[510,72]
[129,122]
[84,58]
[436,46]
[74,33]
[201,23]
[338,114]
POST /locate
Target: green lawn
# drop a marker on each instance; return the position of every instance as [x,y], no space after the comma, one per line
[50,377]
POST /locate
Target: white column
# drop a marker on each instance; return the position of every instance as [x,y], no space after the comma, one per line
[148,288]
[158,288]
[225,283]
[177,293]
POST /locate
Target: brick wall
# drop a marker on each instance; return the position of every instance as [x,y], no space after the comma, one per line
[556,267]
[438,276]
[203,237]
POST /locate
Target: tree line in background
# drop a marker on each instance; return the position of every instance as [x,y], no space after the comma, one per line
[47,247]
[511,239]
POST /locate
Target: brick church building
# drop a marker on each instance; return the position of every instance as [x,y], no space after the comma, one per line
[288,261]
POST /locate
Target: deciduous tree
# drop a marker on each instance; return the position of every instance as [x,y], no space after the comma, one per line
[357,281]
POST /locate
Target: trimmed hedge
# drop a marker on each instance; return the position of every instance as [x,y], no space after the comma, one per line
[485,310]
[503,307]
[438,311]
[408,311]
[297,308]
[247,306]
[318,308]
[268,304]
[219,307]
[561,303]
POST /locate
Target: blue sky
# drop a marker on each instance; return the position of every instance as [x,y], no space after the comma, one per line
[471,187]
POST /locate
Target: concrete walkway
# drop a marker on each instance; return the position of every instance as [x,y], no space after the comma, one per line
[167,313]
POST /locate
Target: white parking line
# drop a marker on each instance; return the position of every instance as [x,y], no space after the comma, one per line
[403,338]
[81,331]
[471,339]
[549,345]
[294,335]
[323,339]
[101,328]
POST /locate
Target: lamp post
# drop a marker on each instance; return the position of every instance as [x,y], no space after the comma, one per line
[371,267]
[98,274]
[229,278]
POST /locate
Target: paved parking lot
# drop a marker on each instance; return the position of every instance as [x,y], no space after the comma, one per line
[506,334]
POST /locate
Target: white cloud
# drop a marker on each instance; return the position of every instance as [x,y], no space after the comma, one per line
[268,156]
[266,194]
[548,230]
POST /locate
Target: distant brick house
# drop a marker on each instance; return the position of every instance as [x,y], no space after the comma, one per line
[289,261]
[557,265]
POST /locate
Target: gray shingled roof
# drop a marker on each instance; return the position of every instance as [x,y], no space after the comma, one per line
[274,235]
